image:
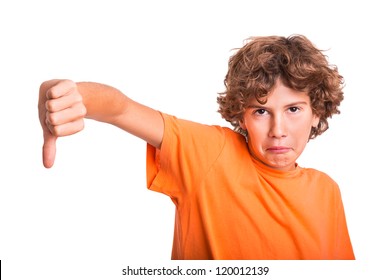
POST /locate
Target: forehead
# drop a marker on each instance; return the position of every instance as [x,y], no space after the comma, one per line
[282,95]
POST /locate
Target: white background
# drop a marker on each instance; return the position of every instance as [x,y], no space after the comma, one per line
[91,214]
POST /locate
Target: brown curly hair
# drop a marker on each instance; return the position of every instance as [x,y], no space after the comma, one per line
[255,68]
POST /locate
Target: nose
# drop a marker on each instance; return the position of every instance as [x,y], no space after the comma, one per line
[277,127]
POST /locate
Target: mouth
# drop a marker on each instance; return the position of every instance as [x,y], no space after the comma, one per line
[278,149]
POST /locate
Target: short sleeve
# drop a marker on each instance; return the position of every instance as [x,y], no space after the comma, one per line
[187,152]
[343,250]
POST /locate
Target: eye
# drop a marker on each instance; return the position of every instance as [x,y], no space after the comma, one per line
[294,109]
[260,111]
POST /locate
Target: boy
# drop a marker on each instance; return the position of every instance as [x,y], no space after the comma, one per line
[239,194]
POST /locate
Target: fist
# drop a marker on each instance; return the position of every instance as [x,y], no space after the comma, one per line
[61,108]
[61,113]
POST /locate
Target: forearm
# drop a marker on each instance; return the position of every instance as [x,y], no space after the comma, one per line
[103,103]
[107,104]
[63,105]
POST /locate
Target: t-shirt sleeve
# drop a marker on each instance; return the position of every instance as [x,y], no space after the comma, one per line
[187,152]
[343,247]
[344,250]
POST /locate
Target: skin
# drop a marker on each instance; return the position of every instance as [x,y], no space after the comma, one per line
[63,105]
[279,130]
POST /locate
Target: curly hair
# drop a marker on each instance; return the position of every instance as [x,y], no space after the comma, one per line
[256,67]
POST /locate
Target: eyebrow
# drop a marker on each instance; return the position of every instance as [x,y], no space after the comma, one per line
[254,106]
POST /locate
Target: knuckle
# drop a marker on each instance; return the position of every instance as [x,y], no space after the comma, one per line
[51,118]
[50,106]
[80,125]
[78,97]
[43,86]
[49,126]
[63,87]
[68,82]
[53,93]
[56,130]
[83,111]
[49,93]
[69,85]
[80,110]
[46,85]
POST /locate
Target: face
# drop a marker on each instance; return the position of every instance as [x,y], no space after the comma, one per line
[279,130]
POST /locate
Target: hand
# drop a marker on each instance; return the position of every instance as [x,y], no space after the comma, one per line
[61,113]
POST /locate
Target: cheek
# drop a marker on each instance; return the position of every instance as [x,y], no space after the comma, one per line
[257,136]
[302,135]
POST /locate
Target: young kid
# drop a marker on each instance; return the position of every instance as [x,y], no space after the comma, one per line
[239,193]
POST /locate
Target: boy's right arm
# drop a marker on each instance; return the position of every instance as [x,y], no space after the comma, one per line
[63,105]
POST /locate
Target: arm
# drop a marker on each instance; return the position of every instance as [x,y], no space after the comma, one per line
[63,105]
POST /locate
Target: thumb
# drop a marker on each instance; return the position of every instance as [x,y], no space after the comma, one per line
[48,149]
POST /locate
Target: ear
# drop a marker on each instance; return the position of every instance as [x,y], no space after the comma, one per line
[242,124]
[316,121]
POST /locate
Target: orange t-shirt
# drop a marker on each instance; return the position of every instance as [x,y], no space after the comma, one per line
[230,206]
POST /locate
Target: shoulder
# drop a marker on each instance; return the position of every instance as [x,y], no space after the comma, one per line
[204,131]
[174,122]
[316,173]
[323,185]
[322,178]
[200,140]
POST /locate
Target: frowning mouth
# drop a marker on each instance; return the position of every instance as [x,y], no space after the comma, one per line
[278,149]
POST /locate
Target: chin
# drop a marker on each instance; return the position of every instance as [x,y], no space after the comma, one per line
[283,166]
